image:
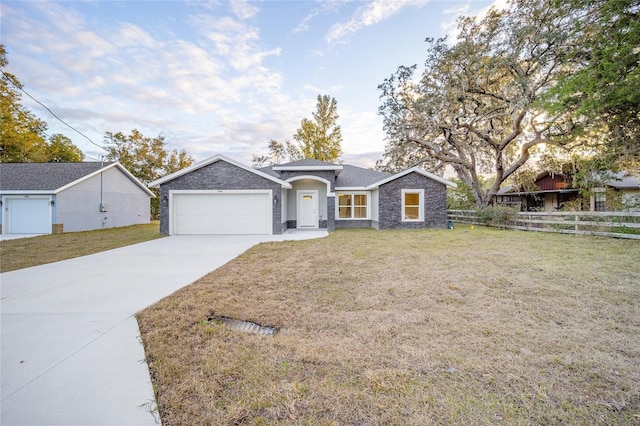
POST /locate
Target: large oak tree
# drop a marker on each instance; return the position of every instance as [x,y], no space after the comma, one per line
[475,107]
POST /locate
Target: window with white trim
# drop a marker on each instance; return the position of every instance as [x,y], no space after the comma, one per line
[412,205]
[353,206]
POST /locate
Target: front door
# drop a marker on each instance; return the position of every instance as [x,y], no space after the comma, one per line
[307,209]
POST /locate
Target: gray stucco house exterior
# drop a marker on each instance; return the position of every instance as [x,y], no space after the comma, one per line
[45,198]
[222,196]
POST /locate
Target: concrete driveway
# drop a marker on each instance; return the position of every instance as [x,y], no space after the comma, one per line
[70,345]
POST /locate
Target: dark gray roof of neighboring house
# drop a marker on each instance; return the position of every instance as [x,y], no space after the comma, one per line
[43,176]
[624,180]
[506,190]
[352,176]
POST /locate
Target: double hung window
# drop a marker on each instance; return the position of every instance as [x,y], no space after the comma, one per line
[353,206]
[412,205]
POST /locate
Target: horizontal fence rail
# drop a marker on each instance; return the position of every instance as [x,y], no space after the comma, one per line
[605,224]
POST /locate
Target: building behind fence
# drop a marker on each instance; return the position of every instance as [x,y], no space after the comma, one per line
[607,224]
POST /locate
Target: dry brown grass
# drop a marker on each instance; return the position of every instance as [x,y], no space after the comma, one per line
[474,327]
[34,251]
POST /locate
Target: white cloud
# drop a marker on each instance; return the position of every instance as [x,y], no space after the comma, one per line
[325,7]
[237,42]
[131,35]
[207,88]
[244,9]
[369,14]
[363,135]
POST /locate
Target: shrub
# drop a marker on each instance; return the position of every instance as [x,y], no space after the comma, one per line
[497,216]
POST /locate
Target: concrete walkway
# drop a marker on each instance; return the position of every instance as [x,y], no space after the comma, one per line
[70,345]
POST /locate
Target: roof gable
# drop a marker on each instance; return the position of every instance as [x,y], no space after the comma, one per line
[54,177]
[413,170]
[211,160]
[43,176]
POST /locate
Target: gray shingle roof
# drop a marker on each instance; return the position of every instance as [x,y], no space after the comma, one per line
[43,176]
[269,170]
[355,177]
[624,180]
[349,176]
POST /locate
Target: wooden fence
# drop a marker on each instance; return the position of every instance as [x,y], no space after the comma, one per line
[606,224]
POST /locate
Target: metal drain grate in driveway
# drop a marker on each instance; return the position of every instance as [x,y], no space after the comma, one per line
[244,326]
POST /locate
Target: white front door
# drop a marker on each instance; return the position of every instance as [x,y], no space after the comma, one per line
[307,209]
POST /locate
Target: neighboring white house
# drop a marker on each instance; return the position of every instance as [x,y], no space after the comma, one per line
[44,198]
[626,184]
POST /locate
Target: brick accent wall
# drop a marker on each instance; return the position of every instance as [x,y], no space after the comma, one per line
[390,203]
[218,175]
[350,224]
[331,213]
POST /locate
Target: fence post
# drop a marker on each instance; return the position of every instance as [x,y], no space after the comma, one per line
[576,220]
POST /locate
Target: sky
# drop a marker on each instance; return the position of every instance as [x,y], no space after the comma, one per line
[217,77]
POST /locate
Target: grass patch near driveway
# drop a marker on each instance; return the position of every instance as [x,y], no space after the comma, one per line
[34,251]
[471,326]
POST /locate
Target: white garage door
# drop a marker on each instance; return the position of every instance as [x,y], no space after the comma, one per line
[221,213]
[28,215]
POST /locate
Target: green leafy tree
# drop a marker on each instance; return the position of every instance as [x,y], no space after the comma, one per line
[461,197]
[321,138]
[317,139]
[61,149]
[603,89]
[278,152]
[473,108]
[146,158]
[22,134]
[22,137]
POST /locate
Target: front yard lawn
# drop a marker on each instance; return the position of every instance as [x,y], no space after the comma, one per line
[34,251]
[471,326]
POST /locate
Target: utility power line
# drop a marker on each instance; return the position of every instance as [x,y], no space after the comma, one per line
[51,112]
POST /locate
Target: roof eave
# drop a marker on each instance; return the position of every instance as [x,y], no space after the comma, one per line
[211,160]
[27,191]
[103,169]
[411,170]
[337,169]
[352,188]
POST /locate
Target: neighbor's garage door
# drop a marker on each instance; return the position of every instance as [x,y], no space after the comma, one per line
[221,213]
[28,215]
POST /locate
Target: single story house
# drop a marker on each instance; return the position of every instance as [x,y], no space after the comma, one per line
[552,190]
[626,184]
[222,196]
[45,198]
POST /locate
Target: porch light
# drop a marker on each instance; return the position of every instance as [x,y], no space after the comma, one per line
[53,203]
